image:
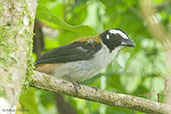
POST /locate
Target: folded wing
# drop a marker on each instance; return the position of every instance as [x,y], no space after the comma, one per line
[72,52]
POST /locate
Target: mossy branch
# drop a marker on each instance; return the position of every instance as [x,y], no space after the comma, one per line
[51,83]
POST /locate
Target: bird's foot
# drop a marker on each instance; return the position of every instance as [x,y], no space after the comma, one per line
[75,84]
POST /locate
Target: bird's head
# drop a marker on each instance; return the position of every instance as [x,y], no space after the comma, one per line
[116,38]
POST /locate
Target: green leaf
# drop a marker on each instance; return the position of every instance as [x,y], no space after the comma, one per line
[28,101]
[45,14]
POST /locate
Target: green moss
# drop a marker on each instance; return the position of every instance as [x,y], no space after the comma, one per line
[9,78]
[29,70]
[30,66]
[6,47]
[9,32]
[1,9]
[2,93]
[47,79]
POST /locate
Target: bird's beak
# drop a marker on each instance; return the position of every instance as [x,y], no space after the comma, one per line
[128,42]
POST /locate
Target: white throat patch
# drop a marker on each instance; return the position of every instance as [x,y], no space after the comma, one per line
[114,31]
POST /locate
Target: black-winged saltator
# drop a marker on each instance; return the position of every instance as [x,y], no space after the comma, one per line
[85,57]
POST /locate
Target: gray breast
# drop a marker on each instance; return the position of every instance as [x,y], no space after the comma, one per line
[82,70]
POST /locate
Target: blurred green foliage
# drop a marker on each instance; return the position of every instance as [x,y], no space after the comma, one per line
[134,71]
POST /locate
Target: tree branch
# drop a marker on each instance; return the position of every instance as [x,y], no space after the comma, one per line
[16,31]
[51,83]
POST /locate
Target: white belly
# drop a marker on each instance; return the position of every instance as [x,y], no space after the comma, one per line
[82,70]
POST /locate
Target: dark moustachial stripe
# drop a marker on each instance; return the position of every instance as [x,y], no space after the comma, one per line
[72,52]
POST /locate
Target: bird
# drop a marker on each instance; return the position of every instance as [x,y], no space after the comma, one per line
[83,58]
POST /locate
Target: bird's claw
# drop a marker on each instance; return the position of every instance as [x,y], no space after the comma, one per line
[94,87]
[75,84]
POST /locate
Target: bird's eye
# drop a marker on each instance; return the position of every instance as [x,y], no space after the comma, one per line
[107,36]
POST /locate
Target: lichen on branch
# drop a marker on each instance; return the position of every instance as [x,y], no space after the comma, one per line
[47,82]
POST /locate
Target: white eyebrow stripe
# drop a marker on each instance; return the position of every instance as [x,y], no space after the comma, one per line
[113,31]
